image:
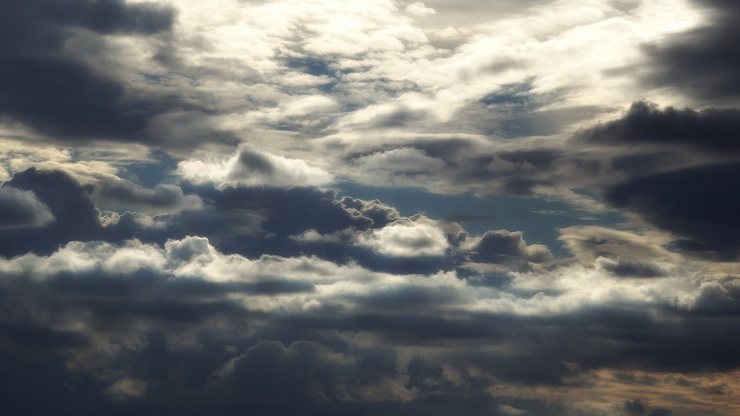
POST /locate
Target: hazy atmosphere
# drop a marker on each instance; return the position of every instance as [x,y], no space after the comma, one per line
[372,208]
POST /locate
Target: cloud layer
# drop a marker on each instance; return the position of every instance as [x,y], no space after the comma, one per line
[322,207]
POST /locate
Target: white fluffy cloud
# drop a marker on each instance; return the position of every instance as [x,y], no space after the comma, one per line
[419,9]
[561,290]
[253,167]
[407,238]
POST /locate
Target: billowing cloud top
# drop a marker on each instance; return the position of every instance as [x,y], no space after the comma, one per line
[324,207]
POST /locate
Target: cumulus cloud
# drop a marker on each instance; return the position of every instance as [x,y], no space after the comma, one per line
[75,217]
[270,326]
[407,238]
[399,166]
[251,167]
[505,247]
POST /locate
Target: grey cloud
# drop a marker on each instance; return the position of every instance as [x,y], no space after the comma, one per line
[719,297]
[590,242]
[380,213]
[634,268]
[699,205]
[637,407]
[252,167]
[163,198]
[506,247]
[20,209]
[46,87]
[277,297]
[475,11]
[183,335]
[702,61]
[713,129]
[516,120]
[76,217]
[251,221]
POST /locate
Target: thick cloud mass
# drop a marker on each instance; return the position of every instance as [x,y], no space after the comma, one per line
[699,204]
[379,207]
[715,130]
[43,83]
[703,60]
[22,209]
[236,331]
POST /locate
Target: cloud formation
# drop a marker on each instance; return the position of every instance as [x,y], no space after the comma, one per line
[180,290]
[322,207]
[250,167]
[22,209]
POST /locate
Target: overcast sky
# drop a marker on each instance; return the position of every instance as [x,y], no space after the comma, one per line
[377,207]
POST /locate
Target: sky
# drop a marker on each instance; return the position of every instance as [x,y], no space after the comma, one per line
[377,207]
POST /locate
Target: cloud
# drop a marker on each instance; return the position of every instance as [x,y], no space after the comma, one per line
[621,253]
[697,204]
[637,408]
[19,209]
[253,330]
[167,244]
[75,216]
[713,129]
[250,167]
[502,246]
[591,242]
[399,166]
[419,9]
[50,88]
[127,388]
[701,61]
[405,238]
[121,194]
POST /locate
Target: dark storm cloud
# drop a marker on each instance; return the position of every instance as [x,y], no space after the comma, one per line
[714,130]
[702,61]
[45,86]
[699,205]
